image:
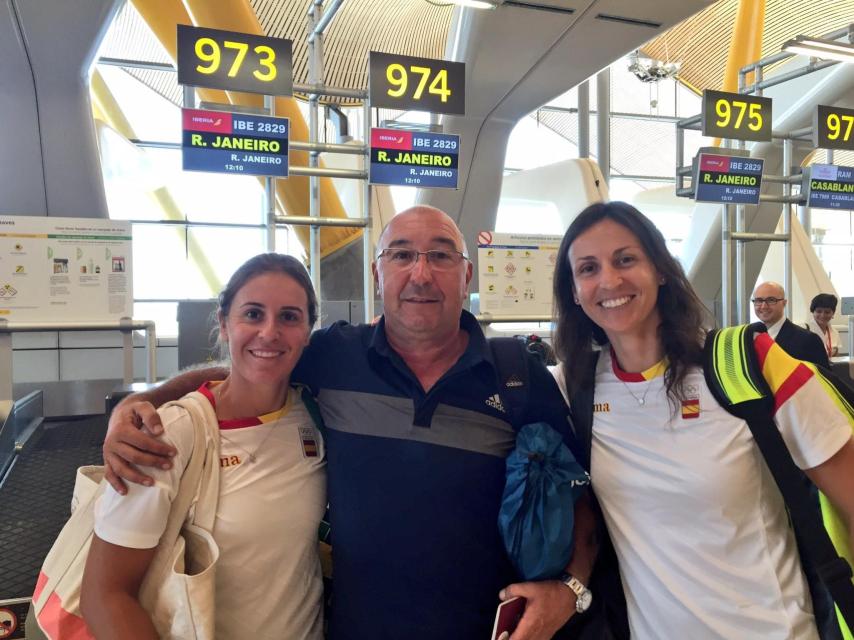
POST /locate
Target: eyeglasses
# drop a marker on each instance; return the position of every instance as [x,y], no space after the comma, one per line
[769,301]
[438,259]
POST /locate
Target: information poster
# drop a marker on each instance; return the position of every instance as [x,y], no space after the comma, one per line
[224,142]
[64,269]
[516,272]
[415,159]
[830,187]
[728,179]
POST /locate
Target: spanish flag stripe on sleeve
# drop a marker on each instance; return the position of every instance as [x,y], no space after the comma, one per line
[762,343]
[784,374]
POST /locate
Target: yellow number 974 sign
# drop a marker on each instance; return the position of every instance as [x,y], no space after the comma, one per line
[234,61]
[422,84]
[398,79]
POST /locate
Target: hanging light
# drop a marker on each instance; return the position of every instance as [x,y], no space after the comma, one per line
[820,48]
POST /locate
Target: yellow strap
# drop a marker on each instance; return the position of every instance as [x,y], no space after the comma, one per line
[730,365]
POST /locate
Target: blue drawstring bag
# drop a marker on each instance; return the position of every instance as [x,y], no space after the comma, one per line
[543,481]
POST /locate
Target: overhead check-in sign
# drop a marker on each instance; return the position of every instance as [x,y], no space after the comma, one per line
[420,84]
[829,186]
[833,128]
[737,116]
[727,179]
[234,61]
[224,142]
[414,159]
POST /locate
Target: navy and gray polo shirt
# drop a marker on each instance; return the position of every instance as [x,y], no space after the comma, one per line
[415,482]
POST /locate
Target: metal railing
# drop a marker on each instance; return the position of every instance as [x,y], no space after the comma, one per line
[126,325]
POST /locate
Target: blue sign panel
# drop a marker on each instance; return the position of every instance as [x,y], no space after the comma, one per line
[831,187]
[414,159]
[728,179]
[235,143]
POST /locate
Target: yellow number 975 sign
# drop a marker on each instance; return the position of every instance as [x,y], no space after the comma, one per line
[422,84]
[733,115]
[234,61]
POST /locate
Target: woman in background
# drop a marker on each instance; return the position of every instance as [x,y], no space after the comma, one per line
[823,308]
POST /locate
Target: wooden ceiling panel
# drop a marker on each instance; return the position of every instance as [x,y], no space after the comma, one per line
[702,42]
[408,27]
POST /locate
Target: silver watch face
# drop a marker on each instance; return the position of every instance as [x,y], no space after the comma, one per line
[584,600]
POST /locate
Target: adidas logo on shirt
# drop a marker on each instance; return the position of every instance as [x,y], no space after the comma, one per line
[495,402]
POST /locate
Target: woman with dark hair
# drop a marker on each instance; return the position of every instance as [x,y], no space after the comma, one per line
[272,482]
[823,308]
[699,528]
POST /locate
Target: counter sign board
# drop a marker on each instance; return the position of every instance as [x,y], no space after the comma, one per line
[234,61]
[414,159]
[728,179]
[420,84]
[224,142]
[830,187]
[734,115]
[833,127]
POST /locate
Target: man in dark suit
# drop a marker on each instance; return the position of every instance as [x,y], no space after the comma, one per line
[769,303]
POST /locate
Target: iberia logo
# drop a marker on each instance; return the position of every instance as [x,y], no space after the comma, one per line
[200,120]
[714,163]
[391,139]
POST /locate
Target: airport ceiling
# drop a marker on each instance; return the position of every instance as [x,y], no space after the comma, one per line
[421,27]
[702,42]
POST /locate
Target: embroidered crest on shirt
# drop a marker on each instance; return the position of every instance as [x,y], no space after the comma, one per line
[691,404]
[309,442]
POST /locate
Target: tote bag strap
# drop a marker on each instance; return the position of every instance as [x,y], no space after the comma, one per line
[203,467]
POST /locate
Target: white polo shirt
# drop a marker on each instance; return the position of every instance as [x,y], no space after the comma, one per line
[699,526]
[268,580]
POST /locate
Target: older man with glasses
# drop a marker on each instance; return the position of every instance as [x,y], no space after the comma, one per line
[417,437]
[769,303]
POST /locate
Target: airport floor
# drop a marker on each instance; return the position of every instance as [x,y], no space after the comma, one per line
[36,496]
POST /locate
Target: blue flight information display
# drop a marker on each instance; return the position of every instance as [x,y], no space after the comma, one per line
[830,187]
[728,179]
[414,159]
[224,142]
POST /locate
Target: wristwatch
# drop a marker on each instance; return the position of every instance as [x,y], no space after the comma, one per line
[584,598]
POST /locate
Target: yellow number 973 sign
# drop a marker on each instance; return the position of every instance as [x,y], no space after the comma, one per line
[234,61]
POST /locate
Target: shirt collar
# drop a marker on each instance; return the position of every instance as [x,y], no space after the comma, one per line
[774,329]
[476,351]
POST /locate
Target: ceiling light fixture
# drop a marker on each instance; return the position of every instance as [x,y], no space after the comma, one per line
[477,4]
[819,48]
[649,70]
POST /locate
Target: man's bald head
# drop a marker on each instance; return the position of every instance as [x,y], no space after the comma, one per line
[766,311]
[441,218]
[422,301]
